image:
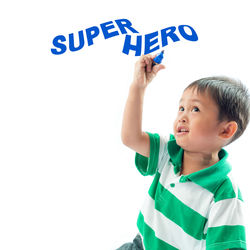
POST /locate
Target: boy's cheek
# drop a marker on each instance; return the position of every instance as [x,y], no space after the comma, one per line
[174,125]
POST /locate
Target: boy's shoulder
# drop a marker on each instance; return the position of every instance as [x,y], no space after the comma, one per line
[227,190]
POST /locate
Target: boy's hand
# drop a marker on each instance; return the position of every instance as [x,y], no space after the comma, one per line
[144,72]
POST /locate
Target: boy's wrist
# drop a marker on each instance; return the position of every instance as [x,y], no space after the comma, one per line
[137,86]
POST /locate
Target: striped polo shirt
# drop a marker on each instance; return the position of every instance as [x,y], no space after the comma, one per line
[202,210]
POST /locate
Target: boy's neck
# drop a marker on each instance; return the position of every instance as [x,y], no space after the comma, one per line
[193,162]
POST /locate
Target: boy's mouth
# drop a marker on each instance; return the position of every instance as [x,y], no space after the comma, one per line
[182,130]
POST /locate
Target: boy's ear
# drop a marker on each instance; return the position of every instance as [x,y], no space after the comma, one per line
[228,130]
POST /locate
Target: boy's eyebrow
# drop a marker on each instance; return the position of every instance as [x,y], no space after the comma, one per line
[192,100]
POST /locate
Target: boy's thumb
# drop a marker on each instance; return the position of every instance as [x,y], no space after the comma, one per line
[158,67]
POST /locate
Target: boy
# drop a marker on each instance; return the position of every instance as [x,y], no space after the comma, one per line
[193,202]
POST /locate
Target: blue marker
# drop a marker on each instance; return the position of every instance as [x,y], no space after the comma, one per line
[158,58]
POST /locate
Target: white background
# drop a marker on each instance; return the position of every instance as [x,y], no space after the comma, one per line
[66,179]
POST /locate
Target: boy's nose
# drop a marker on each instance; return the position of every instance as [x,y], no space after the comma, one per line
[183,119]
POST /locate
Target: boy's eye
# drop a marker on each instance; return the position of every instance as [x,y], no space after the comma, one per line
[195,109]
[181,109]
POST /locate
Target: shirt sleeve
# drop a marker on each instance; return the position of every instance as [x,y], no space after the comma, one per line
[225,225]
[149,165]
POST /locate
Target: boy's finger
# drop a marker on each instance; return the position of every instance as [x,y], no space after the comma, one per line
[149,65]
[146,62]
[158,67]
[145,59]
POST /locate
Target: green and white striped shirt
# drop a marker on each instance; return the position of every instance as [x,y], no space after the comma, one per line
[202,210]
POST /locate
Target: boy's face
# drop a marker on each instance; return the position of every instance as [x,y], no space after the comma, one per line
[196,127]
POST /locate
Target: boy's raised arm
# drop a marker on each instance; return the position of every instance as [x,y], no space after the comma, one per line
[131,133]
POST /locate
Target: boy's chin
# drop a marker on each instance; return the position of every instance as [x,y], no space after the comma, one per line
[180,143]
[184,144]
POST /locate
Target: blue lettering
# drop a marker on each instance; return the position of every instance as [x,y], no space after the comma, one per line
[71,41]
[124,26]
[105,28]
[168,32]
[149,42]
[122,23]
[59,45]
[91,33]
[192,37]
[128,46]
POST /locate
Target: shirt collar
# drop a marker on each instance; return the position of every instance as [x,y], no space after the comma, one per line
[209,178]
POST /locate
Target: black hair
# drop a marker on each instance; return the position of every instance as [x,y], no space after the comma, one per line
[231,96]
